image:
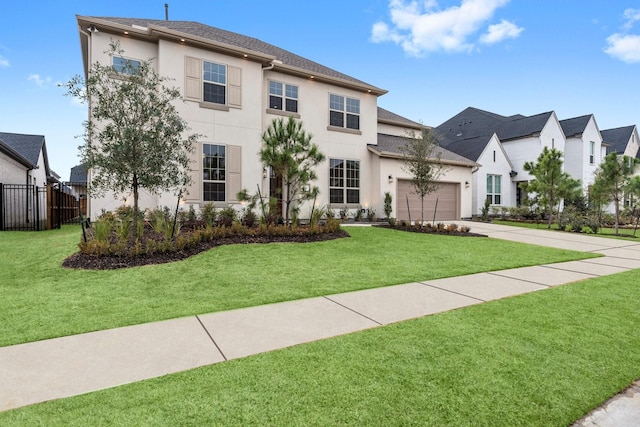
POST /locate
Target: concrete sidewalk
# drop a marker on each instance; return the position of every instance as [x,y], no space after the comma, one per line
[51,369]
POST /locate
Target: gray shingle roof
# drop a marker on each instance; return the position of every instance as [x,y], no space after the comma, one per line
[393,144]
[386,116]
[618,138]
[468,132]
[238,40]
[78,174]
[28,146]
[575,126]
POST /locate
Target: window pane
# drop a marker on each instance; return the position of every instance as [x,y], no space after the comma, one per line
[353,195]
[497,199]
[214,192]
[214,93]
[496,184]
[292,105]
[336,118]
[214,72]
[336,102]
[275,102]
[275,88]
[489,184]
[353,106]
[125,66]
[353,122]
[292,91]
[336,196]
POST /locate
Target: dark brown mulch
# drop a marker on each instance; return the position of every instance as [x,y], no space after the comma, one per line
[88,262]
[429,230]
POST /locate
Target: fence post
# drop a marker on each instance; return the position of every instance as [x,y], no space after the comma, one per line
[36,195]
[1,206]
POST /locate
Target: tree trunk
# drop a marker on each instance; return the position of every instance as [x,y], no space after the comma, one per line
[421,211]
[135,206]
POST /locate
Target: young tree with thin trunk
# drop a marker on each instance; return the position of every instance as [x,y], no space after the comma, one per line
[550,184]
[288,150]
[614,178]
[134,136]
[423,161]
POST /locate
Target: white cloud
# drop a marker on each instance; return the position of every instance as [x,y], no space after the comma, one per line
[625,47]
[39,80]
[422,26]
[499,32]
[3,62]
[632,16]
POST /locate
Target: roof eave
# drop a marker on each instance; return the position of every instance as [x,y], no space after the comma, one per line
[16,156]
[415,126]
[300,72]
[390,155]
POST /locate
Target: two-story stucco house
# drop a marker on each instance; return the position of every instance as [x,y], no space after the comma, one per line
[234,86]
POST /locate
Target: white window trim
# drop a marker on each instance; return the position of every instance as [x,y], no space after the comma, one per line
[344,188]
[284,98]
[344,112]
[224,85]
[493,193]
[223,181]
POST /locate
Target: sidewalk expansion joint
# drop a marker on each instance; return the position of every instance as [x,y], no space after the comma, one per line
[495,273]
[453,292]
[551,266]
[354,311]
[211,338]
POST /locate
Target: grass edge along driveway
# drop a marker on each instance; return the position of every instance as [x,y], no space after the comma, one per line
[43,300]
[540,359]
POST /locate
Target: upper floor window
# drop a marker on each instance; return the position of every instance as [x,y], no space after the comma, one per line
[213,172]
[592,150]
[125,66]
[344,112]
[493,189]
[283,96]
[344,181]
[214,78]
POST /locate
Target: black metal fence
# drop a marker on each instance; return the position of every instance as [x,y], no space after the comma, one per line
[23,207]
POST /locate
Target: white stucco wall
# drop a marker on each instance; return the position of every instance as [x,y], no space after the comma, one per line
[12,172]
[577,154]
[500,166]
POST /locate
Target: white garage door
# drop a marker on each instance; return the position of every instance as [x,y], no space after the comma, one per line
[448,202]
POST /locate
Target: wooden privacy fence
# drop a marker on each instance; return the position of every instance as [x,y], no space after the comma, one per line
[33,208]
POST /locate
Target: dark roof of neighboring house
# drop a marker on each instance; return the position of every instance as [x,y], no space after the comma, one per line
[386,116]
[618,138]
[228,38]
[78,174]
[575,126]
[27,146]
[392,145]
[468,132]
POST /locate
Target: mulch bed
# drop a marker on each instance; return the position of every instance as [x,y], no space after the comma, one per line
[88,262]
[429,230]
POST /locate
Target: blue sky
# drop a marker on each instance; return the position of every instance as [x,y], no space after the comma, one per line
[435,58]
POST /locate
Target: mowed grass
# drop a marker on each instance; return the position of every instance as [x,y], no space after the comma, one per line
[40,299]
[539,359]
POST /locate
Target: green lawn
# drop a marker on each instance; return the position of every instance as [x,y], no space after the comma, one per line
[539,359]
[42,300]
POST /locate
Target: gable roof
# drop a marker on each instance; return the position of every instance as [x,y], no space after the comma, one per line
[391,146]
[27,146]
[618,138]
[78,174]
[575,126]
[468,132]
[228,42]
[386,116]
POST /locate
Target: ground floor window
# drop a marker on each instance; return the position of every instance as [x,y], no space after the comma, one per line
[213,172]
[344,181]
[494,189]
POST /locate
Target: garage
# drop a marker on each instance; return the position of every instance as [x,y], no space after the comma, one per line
[448,197]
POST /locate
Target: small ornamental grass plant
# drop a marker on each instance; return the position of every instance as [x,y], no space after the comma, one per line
[111,235]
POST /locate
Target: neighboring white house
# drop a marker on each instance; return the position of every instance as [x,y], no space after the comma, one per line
[233,87]
[503,144]
[584,148]
[623,140]
[24,175]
